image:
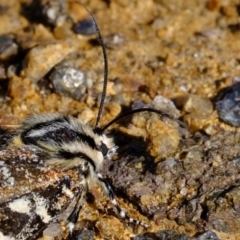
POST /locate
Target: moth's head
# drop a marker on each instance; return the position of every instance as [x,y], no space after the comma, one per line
[107,145]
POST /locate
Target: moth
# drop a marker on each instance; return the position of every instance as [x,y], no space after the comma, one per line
[49,163]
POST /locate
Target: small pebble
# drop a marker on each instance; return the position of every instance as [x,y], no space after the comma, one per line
[51,13]
[55,12]
[199,112]
[85,27]
[86,235]
[207,236]
[114,40]
[166,105]
[53,230]
[3,74]
[228,105]
[8,47]
[196,104]
[69,81]
[163,139]
[163,235]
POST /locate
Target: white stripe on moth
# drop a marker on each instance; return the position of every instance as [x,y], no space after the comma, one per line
[111,152]
[67,192]
[131,220]
[114,202]
[41,132]
[95,155]
[41,208]
[21,205]
[6,175]
[100,175]
[122,214]
[107,188]
[71,226]
[4,237]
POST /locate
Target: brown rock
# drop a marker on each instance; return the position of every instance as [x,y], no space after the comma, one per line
[41,59]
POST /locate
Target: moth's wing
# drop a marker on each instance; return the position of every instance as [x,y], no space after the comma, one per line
[32,194]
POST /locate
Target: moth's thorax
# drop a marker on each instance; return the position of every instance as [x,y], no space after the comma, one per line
[66,140]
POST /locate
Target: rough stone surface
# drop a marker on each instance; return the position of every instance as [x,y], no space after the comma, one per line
[198,185]
[41,59]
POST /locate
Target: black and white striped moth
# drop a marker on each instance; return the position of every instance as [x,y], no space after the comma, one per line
[49,163]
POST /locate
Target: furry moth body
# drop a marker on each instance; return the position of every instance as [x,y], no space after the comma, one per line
[65,143]
[60,146]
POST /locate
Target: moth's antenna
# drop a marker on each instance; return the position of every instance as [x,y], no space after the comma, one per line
[163,114]
[105,81]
